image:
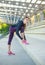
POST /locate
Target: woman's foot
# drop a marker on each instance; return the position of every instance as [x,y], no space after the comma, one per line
[11,53]
[25,41]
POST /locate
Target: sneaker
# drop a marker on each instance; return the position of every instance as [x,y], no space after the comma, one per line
[25,41]
[11,53]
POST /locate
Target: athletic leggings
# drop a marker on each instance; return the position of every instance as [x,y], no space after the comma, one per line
[11,33]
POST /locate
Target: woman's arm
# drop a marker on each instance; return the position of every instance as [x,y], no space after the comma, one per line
[23,35]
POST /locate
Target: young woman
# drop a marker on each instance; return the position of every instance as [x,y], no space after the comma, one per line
[20,26]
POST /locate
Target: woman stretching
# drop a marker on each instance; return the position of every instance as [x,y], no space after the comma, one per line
[20,26]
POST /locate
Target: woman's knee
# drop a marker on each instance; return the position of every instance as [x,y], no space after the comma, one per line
[10,38]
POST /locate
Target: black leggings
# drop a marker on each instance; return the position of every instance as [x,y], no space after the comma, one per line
[11,34]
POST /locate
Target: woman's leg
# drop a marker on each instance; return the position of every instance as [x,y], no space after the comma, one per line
[23,36]
[11,30]
[9,41]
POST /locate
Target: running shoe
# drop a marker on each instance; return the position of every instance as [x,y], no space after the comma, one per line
[11,53]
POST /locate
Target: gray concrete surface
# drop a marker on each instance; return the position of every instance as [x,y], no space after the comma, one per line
[36,48]
[20,57]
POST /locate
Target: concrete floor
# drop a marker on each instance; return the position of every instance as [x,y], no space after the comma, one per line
[36,48]
[20,58]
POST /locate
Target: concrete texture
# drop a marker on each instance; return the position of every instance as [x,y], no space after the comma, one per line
[20,57]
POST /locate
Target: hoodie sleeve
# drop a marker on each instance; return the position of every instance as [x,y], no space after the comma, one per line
[18,28]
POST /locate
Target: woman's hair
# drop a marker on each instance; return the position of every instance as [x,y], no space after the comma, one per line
[26,17]
[24,26]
